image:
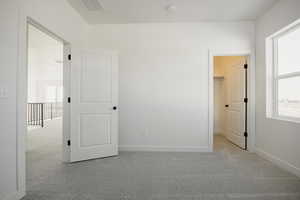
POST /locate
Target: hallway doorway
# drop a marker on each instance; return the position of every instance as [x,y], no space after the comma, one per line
[48,64]
[45,90]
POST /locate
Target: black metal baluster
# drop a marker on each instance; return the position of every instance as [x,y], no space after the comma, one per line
[34,114]
[40,117]
[51,111]
[42,114]
[31,118]
[37,114]
[27,106]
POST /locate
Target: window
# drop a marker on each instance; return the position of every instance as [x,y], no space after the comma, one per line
[285,73]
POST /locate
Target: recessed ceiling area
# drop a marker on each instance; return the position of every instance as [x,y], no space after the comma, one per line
[143,11]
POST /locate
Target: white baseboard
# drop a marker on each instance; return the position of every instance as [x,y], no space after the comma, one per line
[17,196]
[280,163]
[163,148]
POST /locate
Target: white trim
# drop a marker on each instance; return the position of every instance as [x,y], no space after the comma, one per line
[21,104]
[270,105]
[272,76]
[21,125]
[66,126]
[280,163]
[43,29]
[251,93]
[66,84]
[211,100]
[285,118]
[274,85]
[286,29]
[288,75]
[16,196]
[163,148]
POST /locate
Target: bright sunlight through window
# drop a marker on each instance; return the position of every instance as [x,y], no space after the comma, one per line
[286,74]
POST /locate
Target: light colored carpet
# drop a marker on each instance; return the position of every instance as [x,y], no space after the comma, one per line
[227,174]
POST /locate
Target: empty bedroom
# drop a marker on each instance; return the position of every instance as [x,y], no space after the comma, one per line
[149,100]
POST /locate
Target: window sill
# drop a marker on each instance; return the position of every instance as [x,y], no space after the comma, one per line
[287,119]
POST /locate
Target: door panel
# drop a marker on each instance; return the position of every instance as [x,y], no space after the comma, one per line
[94,121]
[96,75]
[95,129]
[236,110]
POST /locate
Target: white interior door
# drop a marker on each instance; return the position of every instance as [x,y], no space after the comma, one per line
[235,112]
[94,106]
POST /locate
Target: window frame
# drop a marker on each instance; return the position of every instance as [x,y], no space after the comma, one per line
[273,77]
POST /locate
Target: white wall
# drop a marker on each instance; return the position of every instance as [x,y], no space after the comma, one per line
[275,140]
[164,79]
[219,103]
[219,95]
[57,16]
[8,82]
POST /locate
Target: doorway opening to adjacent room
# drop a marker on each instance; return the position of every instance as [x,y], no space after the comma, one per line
[48,60]
[230,101]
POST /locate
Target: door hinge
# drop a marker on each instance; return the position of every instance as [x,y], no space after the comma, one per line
[245,100]
[69,142]
[245,66]
[69,57]
[69,99]
[246,134]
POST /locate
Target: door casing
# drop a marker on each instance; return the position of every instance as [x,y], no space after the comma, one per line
[251,93]
[22,92]
[66,84]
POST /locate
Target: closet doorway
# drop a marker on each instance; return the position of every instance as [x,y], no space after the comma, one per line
[230,80]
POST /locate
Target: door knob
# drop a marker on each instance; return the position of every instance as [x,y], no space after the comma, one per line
[115,108]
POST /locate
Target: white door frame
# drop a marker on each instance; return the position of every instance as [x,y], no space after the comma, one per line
[22,92]
[251,93]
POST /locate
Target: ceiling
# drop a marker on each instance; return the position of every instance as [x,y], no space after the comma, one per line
[143,11]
